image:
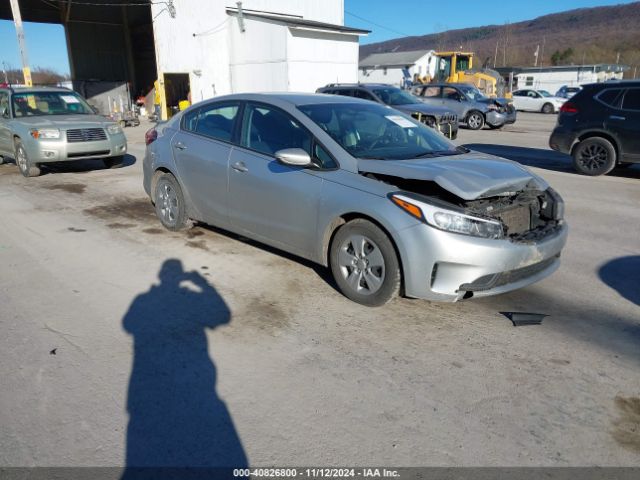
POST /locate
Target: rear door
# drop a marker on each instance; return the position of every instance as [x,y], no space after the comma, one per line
[201,150]
[268,200]
[627,123]
[432,95]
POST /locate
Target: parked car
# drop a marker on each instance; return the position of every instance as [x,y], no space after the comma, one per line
[442,119]
[42,125]
[600,127]
[536,101]
[386,202]
[567,92]
[472,107]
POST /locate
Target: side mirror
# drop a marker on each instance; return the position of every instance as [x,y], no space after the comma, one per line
[295,157]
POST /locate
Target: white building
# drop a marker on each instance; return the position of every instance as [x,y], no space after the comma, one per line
[209,48]
[553,78]
[390,67]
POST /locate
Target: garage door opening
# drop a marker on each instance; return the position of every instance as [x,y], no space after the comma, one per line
[178,91]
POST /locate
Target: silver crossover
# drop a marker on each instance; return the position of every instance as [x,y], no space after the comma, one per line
[42,125]
[387,203]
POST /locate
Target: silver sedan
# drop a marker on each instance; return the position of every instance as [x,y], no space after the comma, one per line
[383,201]
[43,125]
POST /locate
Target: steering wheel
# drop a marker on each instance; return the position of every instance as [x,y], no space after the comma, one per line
[392,134]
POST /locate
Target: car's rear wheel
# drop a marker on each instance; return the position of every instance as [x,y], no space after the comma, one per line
[27,169]
[169,203]
[594,156]
[113,162]
[548,108]
[475,120]
[364,263]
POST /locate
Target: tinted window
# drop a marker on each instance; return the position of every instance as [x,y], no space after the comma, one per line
[216,121]
[364,94]
[190,120]
[520,93]
[631,99]
[268,130]
[345,93]
[610,97]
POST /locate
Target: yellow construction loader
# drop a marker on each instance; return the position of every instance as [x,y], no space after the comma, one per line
[457,67]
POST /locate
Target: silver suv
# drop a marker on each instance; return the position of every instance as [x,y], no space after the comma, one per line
[42,125]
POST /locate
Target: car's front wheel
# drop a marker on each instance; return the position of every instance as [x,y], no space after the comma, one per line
[475,120]
[364,263]
[169,203]
[27,169]
[594,156]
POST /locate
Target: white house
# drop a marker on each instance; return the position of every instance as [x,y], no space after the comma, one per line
[208,48]
[553,78]
[390,67]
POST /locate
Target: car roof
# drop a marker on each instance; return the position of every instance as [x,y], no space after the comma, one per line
[293,98]
[36,89]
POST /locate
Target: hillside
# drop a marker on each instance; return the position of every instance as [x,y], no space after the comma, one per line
[589,35]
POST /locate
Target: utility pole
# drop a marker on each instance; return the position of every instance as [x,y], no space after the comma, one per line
[536,53]
[17,20]
[495,57]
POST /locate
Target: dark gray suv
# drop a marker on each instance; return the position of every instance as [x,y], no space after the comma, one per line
[472,107]
[442,119]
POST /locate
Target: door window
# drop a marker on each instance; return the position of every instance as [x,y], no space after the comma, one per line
[4,103]
[345,92]
[268,130]
[450,93]
[216,121]
[631,99]
[610,97]
[364,94]
[431,92]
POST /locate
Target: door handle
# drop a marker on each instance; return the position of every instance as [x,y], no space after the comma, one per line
[240,167]
[617,117]
[180,146]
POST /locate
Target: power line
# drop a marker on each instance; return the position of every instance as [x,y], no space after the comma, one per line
[109,3]
[378,25]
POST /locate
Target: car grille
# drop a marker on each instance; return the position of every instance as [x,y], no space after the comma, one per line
[86,135]
[505,278]
[448,118]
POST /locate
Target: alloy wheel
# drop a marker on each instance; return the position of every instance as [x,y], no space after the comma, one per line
[593,157]
[361,264]
[475,121]
[168,203]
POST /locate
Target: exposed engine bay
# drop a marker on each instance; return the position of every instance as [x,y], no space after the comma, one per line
[528,215]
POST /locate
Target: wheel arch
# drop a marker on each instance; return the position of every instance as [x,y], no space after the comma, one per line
[602,134]
[333,227]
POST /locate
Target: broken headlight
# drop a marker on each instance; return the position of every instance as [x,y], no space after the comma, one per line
[449,220]
[558,204]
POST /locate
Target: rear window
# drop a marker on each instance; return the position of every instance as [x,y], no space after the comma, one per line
[631,100]
[610,97]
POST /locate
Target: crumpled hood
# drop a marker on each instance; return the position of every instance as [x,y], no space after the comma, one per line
[469,176]
[64,122]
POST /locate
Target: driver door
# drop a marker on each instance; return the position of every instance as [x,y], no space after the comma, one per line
[269,200]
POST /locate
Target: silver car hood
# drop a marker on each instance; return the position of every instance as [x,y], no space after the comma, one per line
[64,121]
[469,176]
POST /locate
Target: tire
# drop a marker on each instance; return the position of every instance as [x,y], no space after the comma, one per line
[170,204]
[113,162]
[548,108]
[364,263]
[475,120]
[27,169]
[594,156]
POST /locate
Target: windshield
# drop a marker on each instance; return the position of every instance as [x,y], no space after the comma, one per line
[544,93]
[378,132]
[472,93]
[33,104]
[395,96]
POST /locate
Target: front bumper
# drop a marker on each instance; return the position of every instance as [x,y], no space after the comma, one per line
[498,119]
[444,266]
[59,150]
